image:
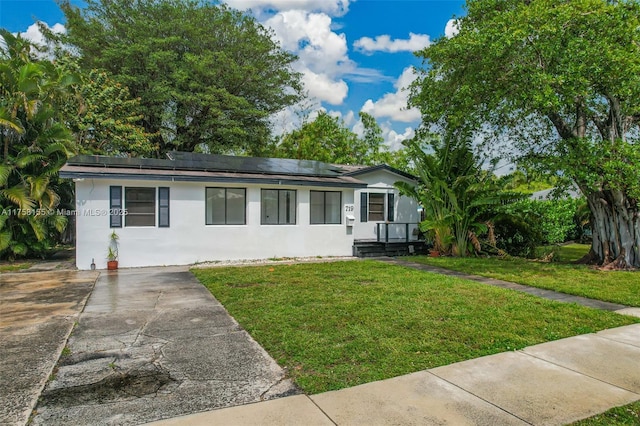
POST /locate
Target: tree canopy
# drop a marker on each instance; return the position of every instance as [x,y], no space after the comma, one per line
[206,75]
[103,117]
[327,138]
[560,79]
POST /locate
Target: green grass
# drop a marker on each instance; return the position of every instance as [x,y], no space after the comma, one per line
[625,415]
[12,267]
[566,253]
[335,325]
[580,280]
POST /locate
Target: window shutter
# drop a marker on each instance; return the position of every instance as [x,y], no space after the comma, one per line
[364,204]
[390,207]
[163,207]
[115,206]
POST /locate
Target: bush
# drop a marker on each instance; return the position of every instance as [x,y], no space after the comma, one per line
[530,223]
[516,236]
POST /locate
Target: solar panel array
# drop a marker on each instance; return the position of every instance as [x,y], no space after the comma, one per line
[215,163]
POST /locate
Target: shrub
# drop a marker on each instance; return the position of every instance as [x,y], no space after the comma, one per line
[530,223]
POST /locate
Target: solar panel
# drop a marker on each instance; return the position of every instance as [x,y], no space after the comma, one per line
[220,163]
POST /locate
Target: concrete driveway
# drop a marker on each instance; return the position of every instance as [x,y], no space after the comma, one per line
[37,312]
[152,343]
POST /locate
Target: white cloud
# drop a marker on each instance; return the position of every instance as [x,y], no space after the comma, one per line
[34,35]
[331,7]
[394,139]
[384,43]
[322,53]
[452,28]
[321,87]
[309,35]
[394,105]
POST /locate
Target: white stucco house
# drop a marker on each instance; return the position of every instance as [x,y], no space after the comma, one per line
[193,208]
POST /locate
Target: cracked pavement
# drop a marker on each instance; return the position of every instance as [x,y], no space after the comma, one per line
[37,313]
[153,343]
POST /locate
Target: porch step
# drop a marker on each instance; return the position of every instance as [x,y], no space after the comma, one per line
[376,249]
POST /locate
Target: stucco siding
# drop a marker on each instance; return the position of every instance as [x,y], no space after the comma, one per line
[189,240]
[405,208]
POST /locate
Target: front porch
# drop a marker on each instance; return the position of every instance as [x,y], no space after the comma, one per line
[365,248]
[393,239]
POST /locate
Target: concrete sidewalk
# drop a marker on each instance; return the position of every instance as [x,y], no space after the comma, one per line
[553,383]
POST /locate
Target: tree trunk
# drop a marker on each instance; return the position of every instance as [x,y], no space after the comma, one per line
[616,229]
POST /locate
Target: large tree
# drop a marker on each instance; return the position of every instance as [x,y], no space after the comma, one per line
[207,76]
[561,78]
[103,117]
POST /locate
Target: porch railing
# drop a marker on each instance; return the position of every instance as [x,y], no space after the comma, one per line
[392,232]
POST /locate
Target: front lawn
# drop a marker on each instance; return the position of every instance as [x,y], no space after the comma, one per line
[336,325]
[580,280]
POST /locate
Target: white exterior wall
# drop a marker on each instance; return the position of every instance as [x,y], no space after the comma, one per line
[406,209]
[188,240]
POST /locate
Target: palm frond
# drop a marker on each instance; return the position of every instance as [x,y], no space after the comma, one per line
[38,186]
[59,222]
[26,159]
[39,228]
[5,172]
[19,195]
[19,249]
[9,122]
[5,240]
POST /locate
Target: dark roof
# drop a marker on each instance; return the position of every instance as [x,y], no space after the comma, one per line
[183,166]
[360,170]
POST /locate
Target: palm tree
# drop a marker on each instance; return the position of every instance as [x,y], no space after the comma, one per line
[459,198]
[35,144]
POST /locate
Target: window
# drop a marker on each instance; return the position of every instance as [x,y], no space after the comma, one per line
[372,207]
[376,207]
[326,207]
[225,206]
[140,204]
[278,207]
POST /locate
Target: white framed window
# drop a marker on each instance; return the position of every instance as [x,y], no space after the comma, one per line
[226,206]
[326,207]
[278,207]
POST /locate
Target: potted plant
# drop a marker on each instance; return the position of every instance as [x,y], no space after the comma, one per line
[112,252]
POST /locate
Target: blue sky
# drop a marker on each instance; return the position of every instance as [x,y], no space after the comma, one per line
[354,55]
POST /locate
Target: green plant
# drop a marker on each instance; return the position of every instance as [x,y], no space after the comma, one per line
[112,254]
[34,144]
[457,195]
[530,223]
[112,250]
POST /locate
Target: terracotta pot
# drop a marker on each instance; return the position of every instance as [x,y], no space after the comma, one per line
[112,265]
[434,253]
